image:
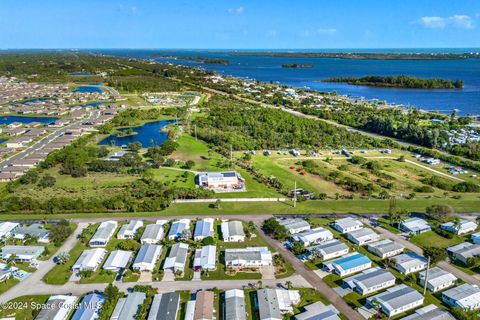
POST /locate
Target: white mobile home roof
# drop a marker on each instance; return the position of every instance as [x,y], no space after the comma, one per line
[148,254]
[397,297]
[437,277]
[128,230]
[89,308]
[152,233]
[204,228]
[465,296]
[294,224]
[232,229]
[237,256]
[318,311]
[22,252]
[328,247]
[205,257]
[165,306]
[314,235]
[177,256]
[362,235]
[370,278]
[415,225]
[59,308]
[235,304]
[409,260]
[7,227]
[346,223]
[89,259]
[178,227]
[127,308]
[104,232]
[385,246]
[118,259]
[430,312]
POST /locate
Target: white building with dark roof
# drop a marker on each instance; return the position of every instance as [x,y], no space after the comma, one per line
[165,306]
[129,230]
[152,234]
[370,280]
[203,229]
[430,312]
[385,248]
[103,234]
[407,263]
[438,279]
[347,225]
[273,303]
[362,236]
[465,226]
[465,296]
[313,236]
[397,300]
[89,308]
[232,231]
[89,260]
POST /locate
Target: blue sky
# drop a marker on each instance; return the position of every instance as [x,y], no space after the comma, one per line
[239,24]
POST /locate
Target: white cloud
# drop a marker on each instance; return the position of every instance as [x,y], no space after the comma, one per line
[238,10]
[462,21]
[327,31]
[433,22]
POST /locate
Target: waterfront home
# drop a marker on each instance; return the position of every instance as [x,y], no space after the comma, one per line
[57,308]
[177,258]
[397,300]
[235,305]
[250,257]
[7,228]
[35,230]
[465,296]
[127,307]
[385,248]
[349,264]
[464,226]
[179,230]
[232,231]
[273,303]
[205,258]
[165,306]
[153,234]
[370,280]
[203,229]
[128,230]
[430,312]
[204,309]
[21,253]
[438,279]
[103,234]
[313,236]
[117,260]
[415,226]
[362,236]
[318,310]
[147,257]
[347,225]
[294,226]
[475,238]
[463,251]
[407,263]
[89,260]
[328,250]
[90,307]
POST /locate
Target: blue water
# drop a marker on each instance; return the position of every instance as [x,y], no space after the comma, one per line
[2,140]
[88,89]
[467,100]
[11,119]
[81,74]
[33,100]
[145,134]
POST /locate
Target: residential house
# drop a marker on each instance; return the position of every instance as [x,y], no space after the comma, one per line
[415,226]
[407,263]
[232,231]
[220,180]
[35,230]
[89,260]
[385,248]
[475,238]
[203,229]
[7,228]
[205,258]
[318,311]
[328,250]
[117,260]
[204,309]
[235,305]
[127,308]
[177,258]
[147,257]
[464,226]
[347,225]
[179,230]
[438,279]
[153,234]
[129,230]
[57,308]
[349,264]
[250,257]
[463,251]
[370,280]
[313,236]
[103,234]
[273,303]
[430,312]
[362,236]
[294,226]
[397,300]
[89,308]
[21,253]
[465,296]
[165,306]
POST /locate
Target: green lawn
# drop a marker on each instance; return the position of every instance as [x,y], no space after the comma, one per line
[7,284]
[432,239]
[25,312]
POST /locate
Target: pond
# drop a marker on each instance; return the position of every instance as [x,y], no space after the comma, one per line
[81,74]
[148,135]
[25,120]
[89,89]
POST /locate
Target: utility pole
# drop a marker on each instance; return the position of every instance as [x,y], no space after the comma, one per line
[195,129]
[295,195]
[426,276]
[231,155]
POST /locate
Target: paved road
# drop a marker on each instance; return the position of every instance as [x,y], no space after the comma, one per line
[472,279]
[311,277]
[34,281]
[43,141]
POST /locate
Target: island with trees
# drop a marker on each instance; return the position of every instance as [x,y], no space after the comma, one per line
[401,81]
[297,65]
[193,58]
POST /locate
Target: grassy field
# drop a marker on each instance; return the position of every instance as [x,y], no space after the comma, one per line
[24,310]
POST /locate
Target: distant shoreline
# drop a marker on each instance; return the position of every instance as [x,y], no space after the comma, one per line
[362,56]
[401,81]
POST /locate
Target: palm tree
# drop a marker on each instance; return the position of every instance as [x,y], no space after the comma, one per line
[457,223]
[289,284]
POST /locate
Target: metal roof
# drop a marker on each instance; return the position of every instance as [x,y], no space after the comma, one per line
[437,276]
[153,232]
[397,297]
[430,312]
[386,246]
[165,306]
[177,256]
[370,278]
[104,231]
[328,247]
[148,253]
[117,259]
[235,305]
[204,228]
[89,308]
[232,228]
[268,304]
[127,308]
